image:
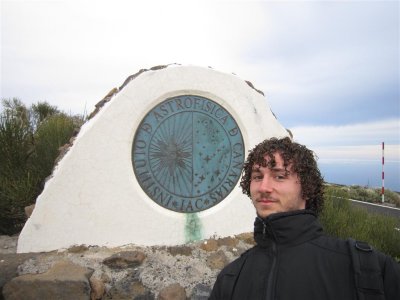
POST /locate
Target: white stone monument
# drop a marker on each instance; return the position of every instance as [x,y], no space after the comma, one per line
[158,164]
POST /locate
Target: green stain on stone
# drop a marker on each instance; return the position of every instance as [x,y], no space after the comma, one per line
[192,228]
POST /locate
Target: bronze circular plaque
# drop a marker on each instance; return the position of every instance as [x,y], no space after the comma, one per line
[187,153]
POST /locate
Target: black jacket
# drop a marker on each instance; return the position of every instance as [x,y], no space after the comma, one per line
[293,259]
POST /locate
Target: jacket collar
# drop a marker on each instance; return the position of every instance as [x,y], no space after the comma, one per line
[287,228]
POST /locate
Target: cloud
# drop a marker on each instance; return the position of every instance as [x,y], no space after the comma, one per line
[362,153]
[325,59]
[387,131]
[73,52]
[317,63]
[353,143]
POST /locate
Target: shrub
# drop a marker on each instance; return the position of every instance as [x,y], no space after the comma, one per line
[29,139]
[52,133]
[372,195]
[339,218]
[392,197]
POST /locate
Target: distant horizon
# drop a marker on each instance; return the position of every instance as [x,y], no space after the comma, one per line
[365,174]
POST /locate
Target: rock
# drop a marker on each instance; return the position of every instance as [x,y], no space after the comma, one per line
[78,249]
[97,288]
[9,266]
[8,244]
[29,209]
[129,288]
[105,278]
[217,260]
[180,250]
[37,265]
[125,259]
[64,280]
[140,292]
[172,292]
[209,245]
[200,292]
[227,241]
[246,237]
[132,272]
[237,251]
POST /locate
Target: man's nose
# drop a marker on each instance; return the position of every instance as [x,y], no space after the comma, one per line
[266,184]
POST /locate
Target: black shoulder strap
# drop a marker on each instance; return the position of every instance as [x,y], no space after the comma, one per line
[367,271]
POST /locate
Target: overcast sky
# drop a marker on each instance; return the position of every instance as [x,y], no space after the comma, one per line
[329,69]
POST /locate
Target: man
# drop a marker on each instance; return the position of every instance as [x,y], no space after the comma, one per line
[293,259]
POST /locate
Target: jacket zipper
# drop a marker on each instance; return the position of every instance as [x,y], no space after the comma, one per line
[270,293]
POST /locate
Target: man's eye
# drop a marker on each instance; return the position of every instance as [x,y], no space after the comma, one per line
[256,177]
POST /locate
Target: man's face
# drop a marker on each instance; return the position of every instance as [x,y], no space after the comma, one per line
[275,189]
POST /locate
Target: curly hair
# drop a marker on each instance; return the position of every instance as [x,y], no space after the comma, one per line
[299,158]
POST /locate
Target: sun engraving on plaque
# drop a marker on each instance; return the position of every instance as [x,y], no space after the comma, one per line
[170,155]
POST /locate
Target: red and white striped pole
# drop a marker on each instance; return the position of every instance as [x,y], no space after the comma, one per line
[383,172]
